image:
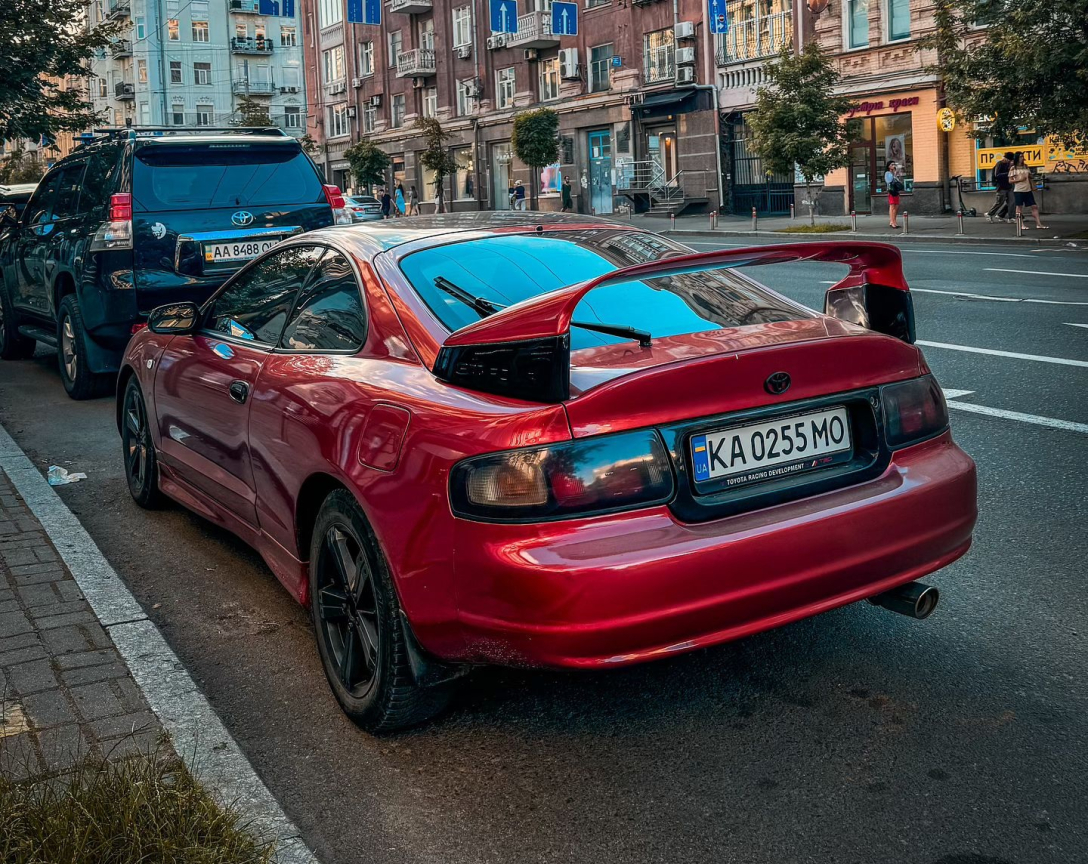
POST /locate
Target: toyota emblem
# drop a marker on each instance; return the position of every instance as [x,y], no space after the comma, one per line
[242,218]
[777,384]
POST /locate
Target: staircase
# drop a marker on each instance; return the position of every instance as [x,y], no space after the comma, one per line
[646,183]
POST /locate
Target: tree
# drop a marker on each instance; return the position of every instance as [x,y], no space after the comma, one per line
[437,157]
[1027,68]
[253,113]
[368,162]
[535,140]
[21,167]
[43,42]
[797,120]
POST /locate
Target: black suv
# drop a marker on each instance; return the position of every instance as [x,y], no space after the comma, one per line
[133,220]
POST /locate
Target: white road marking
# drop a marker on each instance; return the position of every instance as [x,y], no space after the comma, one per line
[955,394]
[1039,358]
[1071,324]
[1034,419]
[199,736]
[999,299]
[964,252]
[1036,273]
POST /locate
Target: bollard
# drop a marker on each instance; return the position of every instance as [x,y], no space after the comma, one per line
[755,220]
[1019,224]
[711,220]
[853,222]
[791,210]
[906,222]
[672,221]
[714,220]
[961,232]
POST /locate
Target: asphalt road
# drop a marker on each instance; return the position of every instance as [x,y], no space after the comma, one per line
[857,736]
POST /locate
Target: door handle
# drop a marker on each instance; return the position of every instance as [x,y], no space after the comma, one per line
[239,391]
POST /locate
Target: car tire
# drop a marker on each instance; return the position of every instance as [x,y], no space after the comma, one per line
[13,344]
[79,382]
[358,625]
[138,449]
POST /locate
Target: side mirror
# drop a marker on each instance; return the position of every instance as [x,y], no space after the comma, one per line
[876,307]
[174,318]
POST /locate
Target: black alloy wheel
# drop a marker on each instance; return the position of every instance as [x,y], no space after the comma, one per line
[78,379]
[141,462]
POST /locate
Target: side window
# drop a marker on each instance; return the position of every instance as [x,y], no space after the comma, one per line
[330,315]
[71,180]
[39,208]
[98,180]
[256,304]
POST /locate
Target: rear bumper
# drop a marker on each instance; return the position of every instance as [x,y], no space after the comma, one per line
[629,588]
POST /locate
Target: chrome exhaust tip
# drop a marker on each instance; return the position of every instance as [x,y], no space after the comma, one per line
[915,600]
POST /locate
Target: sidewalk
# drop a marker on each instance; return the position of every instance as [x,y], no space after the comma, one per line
[1066,231]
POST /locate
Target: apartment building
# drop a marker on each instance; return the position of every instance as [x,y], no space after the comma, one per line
[194,63]
[638,124]
[47,150]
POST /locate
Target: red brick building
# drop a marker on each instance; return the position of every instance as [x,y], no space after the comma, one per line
[638,118]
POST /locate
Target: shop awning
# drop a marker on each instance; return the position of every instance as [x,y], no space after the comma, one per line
[672,99]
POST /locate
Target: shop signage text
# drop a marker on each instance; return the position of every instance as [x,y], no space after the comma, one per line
[895,104]
[987,157]
[1058,158]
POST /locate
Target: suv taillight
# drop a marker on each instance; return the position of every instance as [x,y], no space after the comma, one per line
[121,207]
[116,233]
[334,196]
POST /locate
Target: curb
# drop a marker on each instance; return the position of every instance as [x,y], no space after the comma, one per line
[199,736]
[1079,246]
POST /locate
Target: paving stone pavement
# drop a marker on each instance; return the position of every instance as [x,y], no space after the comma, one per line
[65,692]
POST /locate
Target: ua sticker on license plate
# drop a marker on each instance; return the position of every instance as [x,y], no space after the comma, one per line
[773,449]
[237,250]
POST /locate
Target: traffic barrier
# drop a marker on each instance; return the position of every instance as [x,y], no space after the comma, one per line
[960,232]
[853,222]
[672,221]
[1019,224]
[906,222]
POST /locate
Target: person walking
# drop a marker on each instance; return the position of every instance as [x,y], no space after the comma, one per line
[1003,195]
[413,202]
[400,200]
[519,196]
[568,201]
[1020,177]
[387,202]
[895,187]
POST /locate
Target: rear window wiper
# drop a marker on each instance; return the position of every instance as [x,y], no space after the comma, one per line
[488,307]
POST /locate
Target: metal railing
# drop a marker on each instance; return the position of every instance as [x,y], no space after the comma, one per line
[250,45]
[410,7]
[119,8]
[121,48]
[243,87]
[649,177]
[660,63]
[416,61]
[754,38]
[533,27]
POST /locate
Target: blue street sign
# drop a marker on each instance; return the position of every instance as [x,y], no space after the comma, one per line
[719,17]
[364,11]
[277,8]
[504,16]
[617,61]
[564,19]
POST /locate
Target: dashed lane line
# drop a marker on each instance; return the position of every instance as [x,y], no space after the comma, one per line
[1036,273]
[1038,358]
[999,299]
[1034,419]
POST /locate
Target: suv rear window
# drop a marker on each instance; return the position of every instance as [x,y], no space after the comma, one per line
[203,176]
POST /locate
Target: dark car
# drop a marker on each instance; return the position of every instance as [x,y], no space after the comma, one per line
[131,221]
[15,197]
[364,208]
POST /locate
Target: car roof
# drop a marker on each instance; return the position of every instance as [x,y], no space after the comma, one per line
[216,139]
[19,189]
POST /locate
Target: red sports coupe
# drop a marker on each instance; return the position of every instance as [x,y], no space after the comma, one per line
[548,441]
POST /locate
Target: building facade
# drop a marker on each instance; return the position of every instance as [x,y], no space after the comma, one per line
[638,124]
[198,63]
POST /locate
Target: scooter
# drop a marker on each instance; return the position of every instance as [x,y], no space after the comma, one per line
[963,211]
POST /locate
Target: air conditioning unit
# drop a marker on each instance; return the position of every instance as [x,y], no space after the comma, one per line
[684,30]
[356,82]
[685,56]
[568,63]
[419,83]
[685,75]
[376,100]
[530,54]
[464,51]
[351,111]
[496,41]
[337,87]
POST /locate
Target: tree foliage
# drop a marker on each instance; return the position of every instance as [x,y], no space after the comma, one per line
[1027,67]
[437,157]
[535,141]
[368,162]
[253,113]
[42,42]
[21,167]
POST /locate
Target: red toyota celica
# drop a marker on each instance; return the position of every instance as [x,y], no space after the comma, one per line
[548,441]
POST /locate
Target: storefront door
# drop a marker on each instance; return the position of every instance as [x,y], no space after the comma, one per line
[861,178]
[661,149]
[600,172]
[500,176]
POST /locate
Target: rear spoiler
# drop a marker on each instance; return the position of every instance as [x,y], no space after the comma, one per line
[524,350]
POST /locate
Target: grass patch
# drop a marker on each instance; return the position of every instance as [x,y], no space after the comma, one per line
[818,228]
[137,810]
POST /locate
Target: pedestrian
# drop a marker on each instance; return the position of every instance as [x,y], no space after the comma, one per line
[400,200]
[568,202]
[519,195]
[894,186]
[1020,177]
[413,202]
[387,202]
[510,195]
[1003,194]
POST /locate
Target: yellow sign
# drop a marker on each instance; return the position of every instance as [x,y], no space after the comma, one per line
[1051,156]
[946,119]
[988,157]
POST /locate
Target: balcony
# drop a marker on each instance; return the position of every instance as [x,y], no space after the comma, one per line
[119,8]
[124,90]
[660,65]
[245,7]
[411,7]
[417,63]
[243,87]
[121,48]
[534,31]
[754,38]
[250,46]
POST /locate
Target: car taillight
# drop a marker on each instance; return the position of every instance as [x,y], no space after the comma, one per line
[138,326]
[913,410]
[116,233]
[334,196]
[594,475]
[121,207]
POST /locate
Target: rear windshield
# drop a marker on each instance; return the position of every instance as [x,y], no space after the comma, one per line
[202,176]
[511,268]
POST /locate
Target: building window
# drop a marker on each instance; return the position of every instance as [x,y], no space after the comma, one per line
[292,77]
[202,73]
[288,37]
[370,117]
[178,116]
[198,10]
[430,102]
[462,26]
[593,4]
[463,178]
[175,72]
[200,31]
[260,32]
[204,115]
[241,30]
[600,68]
[426,34]
[141,71]
[334,64]
[549,79]
[292,117]
[505,84]
[659,50]
[466,97]
[329,12]
[396,42]
[173,30]
[145,114]
[338,121]
[102,91]
[396,111]
[366,58]
[857,23]
[898,19]
[141,27]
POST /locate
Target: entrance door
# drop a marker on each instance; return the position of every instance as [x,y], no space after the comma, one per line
[661,148]
[861,178]
[600,172]
[500,176]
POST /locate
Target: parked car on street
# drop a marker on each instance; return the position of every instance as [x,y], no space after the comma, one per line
[15,197]
[364,208]
[128,222]
[548,440]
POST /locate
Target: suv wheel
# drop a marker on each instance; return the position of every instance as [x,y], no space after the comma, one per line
[78,380]
[13,345]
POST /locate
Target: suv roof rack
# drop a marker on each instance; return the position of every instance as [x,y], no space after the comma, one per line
[161,131]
